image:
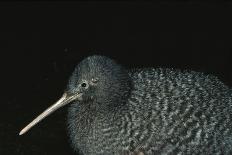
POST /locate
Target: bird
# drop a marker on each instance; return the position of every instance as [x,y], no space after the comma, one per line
[114,110]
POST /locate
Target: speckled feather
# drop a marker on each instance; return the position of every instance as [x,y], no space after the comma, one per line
[150,111]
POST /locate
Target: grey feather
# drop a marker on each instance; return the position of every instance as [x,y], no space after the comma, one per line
[148,110]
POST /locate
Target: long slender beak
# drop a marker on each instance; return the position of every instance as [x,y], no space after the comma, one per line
[64,100]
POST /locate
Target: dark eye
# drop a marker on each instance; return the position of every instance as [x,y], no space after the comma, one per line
[83,85]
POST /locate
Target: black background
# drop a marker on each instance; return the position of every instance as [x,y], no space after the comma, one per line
[40,44]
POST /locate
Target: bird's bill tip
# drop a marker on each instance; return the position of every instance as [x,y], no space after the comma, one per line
[22,132]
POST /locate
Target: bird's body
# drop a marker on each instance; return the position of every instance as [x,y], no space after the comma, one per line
[145,111]
[167,112]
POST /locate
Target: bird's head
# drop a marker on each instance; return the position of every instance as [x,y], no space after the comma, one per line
[96,80]
[99,79]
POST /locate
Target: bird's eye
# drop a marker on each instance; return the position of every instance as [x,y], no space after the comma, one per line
[83,85]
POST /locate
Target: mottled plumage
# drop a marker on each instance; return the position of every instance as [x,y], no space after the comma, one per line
[144,111]
[148,111]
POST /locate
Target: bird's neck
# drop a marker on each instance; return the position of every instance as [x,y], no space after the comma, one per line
[87,114]
[103,109]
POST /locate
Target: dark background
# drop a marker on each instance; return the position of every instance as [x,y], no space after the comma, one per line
[40,44]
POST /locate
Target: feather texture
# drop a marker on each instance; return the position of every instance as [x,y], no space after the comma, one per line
[150,111]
